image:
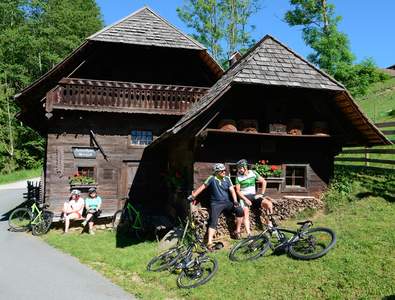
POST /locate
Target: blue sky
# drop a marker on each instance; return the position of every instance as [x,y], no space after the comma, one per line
[370,25]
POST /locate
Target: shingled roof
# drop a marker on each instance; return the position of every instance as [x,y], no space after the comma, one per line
[145,27]
[271,63]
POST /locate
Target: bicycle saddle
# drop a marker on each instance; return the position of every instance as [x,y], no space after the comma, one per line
[304,222]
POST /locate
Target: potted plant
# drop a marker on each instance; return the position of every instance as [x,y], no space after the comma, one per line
[265,170]
[80,181]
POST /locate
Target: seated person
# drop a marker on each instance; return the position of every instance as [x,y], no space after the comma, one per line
[92,205]
[245,189]
[73,208]
[219,186]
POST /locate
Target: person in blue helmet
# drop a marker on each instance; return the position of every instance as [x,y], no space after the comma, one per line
[222,199]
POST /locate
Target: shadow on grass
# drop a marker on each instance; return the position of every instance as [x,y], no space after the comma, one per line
[378,182]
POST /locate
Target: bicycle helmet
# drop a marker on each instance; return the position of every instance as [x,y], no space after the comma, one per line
[218,168]
[92,190]
[76,192]
[242,163]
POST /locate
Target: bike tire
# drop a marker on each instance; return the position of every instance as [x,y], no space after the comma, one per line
[165,260]
[198,275]
[117,219]
[306,246]
[252,247]
[20,219]
[43,226]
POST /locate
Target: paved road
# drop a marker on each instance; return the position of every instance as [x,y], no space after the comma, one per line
[30,269]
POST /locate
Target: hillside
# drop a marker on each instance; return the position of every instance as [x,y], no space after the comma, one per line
[379,102]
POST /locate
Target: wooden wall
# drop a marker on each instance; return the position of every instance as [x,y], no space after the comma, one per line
[112,131]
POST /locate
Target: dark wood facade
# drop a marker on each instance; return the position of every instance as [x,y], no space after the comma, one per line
[272,86]
[110,98]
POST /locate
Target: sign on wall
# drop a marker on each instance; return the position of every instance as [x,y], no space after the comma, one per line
[87,152]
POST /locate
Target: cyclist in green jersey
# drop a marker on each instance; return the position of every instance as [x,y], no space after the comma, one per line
[245,188]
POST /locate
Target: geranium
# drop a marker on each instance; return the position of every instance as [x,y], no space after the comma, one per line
[174,179]
[81,179]
[265,170]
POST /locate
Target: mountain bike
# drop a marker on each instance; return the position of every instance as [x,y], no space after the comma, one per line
[35,218]
[128,218]
[189,259]
[305,243]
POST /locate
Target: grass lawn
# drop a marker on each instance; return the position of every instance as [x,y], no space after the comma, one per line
[20,175]
[361,266]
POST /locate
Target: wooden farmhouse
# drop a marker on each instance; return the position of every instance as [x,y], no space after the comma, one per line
[142,110]
[270,105]
[102,105]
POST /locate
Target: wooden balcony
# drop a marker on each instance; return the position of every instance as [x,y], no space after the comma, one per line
[115,96]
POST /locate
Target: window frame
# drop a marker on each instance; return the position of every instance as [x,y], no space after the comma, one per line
[296,188]
[130,138]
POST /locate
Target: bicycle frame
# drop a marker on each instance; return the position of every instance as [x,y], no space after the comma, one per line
[36,213]
[137,224]
[284,241]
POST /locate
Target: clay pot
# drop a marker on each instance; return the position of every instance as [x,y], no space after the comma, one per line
[248,125]
[278,128]
[295,126]
[227,124]
[320,128]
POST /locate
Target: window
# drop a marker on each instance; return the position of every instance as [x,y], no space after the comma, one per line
[295,176]
[141,137]
[87,171]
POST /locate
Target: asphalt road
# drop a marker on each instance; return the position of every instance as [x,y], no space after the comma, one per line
[31,269]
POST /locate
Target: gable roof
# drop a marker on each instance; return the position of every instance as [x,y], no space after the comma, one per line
[145,27]
[271,63]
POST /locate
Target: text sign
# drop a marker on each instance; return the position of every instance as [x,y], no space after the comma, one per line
[84,152]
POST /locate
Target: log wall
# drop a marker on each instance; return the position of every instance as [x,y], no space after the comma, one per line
[71,129]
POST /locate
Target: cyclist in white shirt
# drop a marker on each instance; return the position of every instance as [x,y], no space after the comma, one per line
[245,188]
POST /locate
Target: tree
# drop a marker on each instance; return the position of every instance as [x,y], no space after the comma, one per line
[331,47]
[220,24]
[34,36]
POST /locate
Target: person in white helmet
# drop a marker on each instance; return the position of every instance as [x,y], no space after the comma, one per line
[72,209]
[222,198]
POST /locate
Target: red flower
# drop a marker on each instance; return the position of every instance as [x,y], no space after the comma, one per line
[273,168]
[178,175]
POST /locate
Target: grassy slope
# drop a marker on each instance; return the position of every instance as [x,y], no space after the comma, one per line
[377,105]
[361,266]
[20,175]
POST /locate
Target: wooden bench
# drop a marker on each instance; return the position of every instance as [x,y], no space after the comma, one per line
[104,214]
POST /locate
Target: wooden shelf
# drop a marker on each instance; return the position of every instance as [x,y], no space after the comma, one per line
[242,133]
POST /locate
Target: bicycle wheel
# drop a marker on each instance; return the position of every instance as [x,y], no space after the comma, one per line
[314,243]
[117,219]
[44,224]
[20,219]
[250,248]
[164,260]
[198,274]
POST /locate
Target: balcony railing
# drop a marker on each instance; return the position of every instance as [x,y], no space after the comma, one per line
[99,95]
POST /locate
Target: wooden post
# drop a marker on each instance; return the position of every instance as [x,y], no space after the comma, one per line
[366,157]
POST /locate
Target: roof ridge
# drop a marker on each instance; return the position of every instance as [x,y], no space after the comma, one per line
[306,61]
[147,8]
[116,23]
[175,28]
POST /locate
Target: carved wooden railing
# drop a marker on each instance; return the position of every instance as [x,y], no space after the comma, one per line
[118,96]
